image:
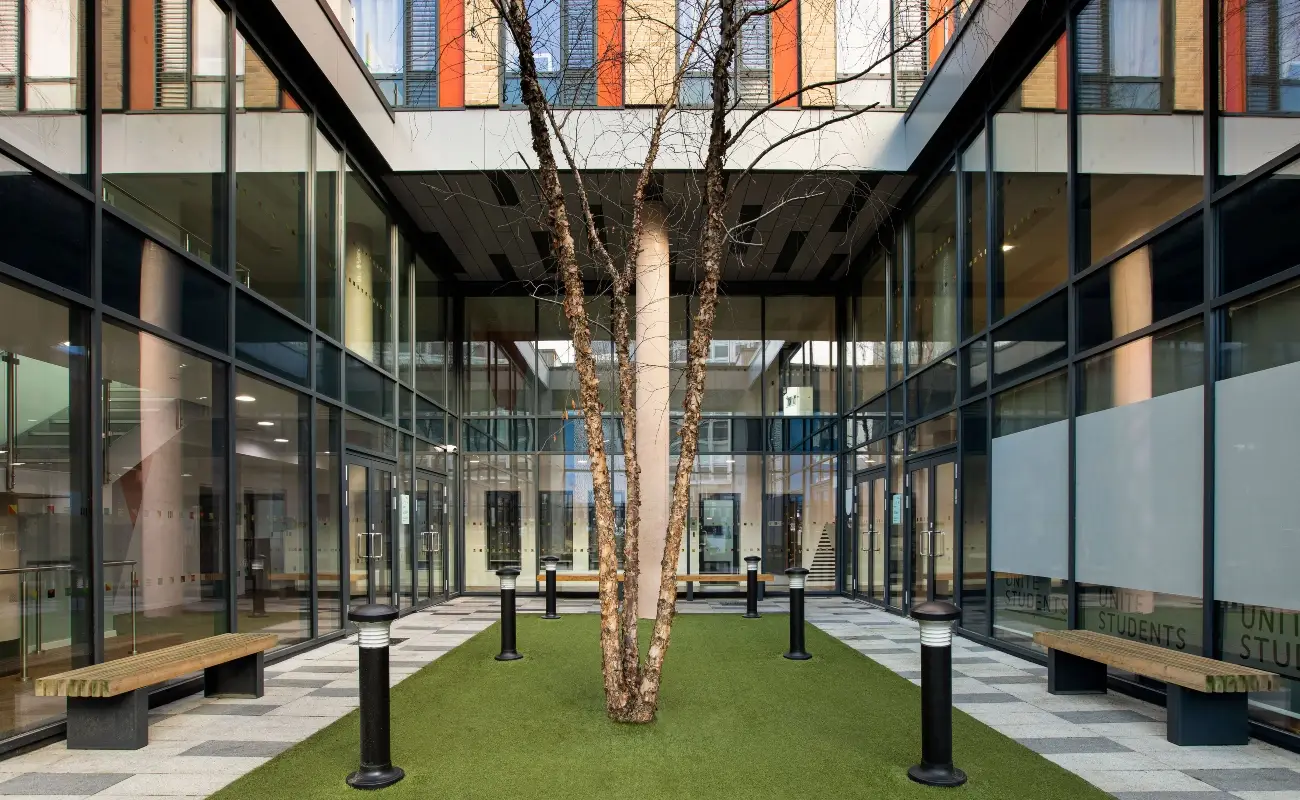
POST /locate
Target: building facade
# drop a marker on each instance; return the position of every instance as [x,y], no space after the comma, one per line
[278,336]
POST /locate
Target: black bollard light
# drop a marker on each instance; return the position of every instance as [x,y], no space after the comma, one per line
[551,563]
[751,586]
[508,577]
[796,576]
[936,768]
[377,770]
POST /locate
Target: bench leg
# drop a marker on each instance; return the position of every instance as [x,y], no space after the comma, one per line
[239,678]
[1070,674]
[690,591]
[109,723]
[1198,718]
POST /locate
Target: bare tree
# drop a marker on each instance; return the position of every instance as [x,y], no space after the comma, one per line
[707,43]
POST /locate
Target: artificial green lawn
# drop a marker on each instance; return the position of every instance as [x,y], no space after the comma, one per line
[735,721]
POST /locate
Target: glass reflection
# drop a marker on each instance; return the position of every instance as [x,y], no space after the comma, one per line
[1259,82]
[868,351]
[801,356]
[499,356]
[42,80]
[367,274]
[934,274]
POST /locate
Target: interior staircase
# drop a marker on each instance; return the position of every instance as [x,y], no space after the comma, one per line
[821,574]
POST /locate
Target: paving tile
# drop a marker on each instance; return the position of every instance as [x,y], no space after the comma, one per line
[49,783]
[1211,795]
[336,692]
[232,709]
[1012,679]
[886,651]
[1107,762]
[1265,795]
[1167,780]
[974,698]
[1097,717]
[219,749]
[167,786]
[911,675]
[301,683]
[1268,779]
[1074,744]
[325,669]
[972,660]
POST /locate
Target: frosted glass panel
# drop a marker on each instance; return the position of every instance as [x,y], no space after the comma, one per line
[1138,509]
[1257,495]
[1030,501]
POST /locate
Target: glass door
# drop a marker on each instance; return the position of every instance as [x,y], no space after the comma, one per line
[430,523]
[932,494]
[720,534]
[870,515]
[371,497]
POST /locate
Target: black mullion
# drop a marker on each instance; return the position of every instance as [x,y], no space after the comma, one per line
[988,516]
[92,51]
[227,260]
[1211,321]
[1075,257]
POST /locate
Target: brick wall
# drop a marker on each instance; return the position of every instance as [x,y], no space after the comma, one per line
[1189,75]
[650,55]
[817,49]
[482,54]
[112,24]
[1039,88]
[261,89]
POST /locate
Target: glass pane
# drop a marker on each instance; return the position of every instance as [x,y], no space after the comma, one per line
[147,280]
[272,159]
[164,494]
[43,100]
[1031,341]
[922,531]
[358,509]
[164,161]
[432,353]
[944,539]
[44,535]
[1030,251]
[364,434]
[369,391]
[274,583]
[380,544]
[367,273]
[801,374]
[975,516]
[328,561]
[879,510]
[403,548]
[44,229]
[1161,279]
[896,517]
[1153,366]
[500,518]
[933,274]
[557,370]
[735,382]
[1259,82]
[933,390]
[499,356]
[265,339]
[975,186]
[404,275]
[329,365]
[1258,234]
[869,348]
[800,531]
[327,231]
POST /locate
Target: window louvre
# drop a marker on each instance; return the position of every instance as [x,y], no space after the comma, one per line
[10,25]
[422,53]
[173,61]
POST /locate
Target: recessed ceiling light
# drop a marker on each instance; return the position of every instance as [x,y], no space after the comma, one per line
[244,398]
[1007,247]
[18,464]
[266,423]
[65,344]
[282,441]
[186,475]
[204,397]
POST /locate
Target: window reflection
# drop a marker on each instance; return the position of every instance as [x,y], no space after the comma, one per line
[164,162]
[329,614]
[164,481]
[557,368]
[499,355]
[432,356]
[737,358]
[868,348]
[274,582]
[42,80]
[801,356]
[1030,253]
[934,274]
[328,163]
[272,155]
[1259,81]
[367,274]
[974,186]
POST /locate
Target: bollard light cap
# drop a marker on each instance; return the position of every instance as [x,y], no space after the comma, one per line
[373,612]
[935,611]
[753,559]
[551,559]
[796,571]
[505,572]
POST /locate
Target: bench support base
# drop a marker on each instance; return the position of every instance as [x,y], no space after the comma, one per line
[109,723]
[239,678]
[1198,718]
[1070,674]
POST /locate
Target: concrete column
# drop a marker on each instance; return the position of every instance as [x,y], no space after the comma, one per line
[1130,309]
[652,391]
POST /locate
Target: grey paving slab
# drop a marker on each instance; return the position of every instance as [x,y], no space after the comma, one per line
[1097,717]
[1011,679]
[1176,796]
[66,783]
[884,651]
[984,697]
[321,668]
[911,675]
[335,692]
[220,749]
[1249,780]
[301,683]
[1074,744]
[232,710]
[972,660]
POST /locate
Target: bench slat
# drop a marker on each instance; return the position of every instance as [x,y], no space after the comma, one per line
[1181,669]
[569,577]
[135,672]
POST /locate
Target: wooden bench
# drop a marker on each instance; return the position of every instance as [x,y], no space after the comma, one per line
[689,580]
[108,704]
[1206,699]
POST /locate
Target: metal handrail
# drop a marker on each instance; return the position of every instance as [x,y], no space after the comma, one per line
[22,604]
